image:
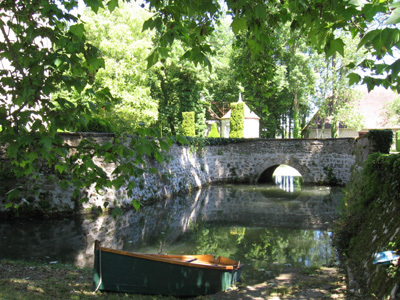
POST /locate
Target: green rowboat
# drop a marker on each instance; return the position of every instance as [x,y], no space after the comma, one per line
[159,274]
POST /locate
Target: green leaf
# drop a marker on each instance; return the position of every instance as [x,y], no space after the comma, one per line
[353,78]
[59,168]
[47,141]
[13,194]
[77,30]
[182,139]
[159,158]
[239,24]
[148,24]
[94,4]
[152,59]
[394,17]
[143,149]
[395,67]
[136,204]
[106,146]
[112,4]
[116,212]
[153,170]
[367,38]
[65,184]
[8,205]
[335,45]
[260,12]
[57,62]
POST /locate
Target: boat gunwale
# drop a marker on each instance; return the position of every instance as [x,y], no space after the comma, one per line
[178,259]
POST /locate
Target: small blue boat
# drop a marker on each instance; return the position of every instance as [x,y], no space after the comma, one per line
[385,258]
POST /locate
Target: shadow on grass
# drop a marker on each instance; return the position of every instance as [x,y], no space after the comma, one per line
[29,281]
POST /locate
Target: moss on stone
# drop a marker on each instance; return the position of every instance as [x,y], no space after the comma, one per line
[369,223]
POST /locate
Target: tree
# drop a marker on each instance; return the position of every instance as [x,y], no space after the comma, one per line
[45,49]
[124,47]
[221,86]
[334,98]
[192,23]
[178,86]
[278,79]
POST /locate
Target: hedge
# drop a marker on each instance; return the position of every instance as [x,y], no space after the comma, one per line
[237,120]
[188,124]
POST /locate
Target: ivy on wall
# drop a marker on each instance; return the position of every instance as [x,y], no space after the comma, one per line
[237,120]
[188,124]
[371,206]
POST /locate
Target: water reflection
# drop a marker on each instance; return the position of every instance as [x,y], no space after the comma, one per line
[261,225]
[289,184]
[287,179]
[264,250]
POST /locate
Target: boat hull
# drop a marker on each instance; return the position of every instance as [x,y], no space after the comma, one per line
[114,271]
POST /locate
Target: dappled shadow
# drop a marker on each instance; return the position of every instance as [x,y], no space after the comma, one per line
[20,281]
[294,283]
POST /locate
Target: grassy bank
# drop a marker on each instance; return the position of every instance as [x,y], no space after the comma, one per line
[30,281]
[21,280]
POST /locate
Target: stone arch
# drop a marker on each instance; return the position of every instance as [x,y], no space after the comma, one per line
[266,176]
[266,172]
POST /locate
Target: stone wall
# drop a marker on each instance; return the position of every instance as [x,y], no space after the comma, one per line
[317,160]
[370,224]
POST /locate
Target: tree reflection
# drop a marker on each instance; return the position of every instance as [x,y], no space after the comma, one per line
[261,248]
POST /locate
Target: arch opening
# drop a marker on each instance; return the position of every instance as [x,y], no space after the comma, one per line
[285,177]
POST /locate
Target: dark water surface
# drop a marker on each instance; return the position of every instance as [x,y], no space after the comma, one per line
[263,226]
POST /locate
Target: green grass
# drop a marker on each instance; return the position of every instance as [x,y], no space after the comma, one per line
[21,280]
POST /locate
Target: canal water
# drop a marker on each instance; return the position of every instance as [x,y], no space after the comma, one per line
[265,226]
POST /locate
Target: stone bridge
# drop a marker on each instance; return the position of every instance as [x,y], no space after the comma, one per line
[254,161]
[248,161]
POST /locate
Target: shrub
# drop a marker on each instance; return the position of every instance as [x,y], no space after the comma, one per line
[382,140]
[214,131]
[96,125]
[188,124]
[398,141]
[237,120]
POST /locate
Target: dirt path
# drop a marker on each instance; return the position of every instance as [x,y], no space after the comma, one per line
[294,283]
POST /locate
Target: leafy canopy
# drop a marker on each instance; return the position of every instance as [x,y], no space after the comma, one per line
[191,22]
[44,48]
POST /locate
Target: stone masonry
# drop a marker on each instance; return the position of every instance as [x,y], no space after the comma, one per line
[318,161]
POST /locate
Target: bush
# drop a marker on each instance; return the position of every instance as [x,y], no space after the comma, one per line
[398,141]
[188,124]
[214,131]
[96,125]
[237,120]
[382,140]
